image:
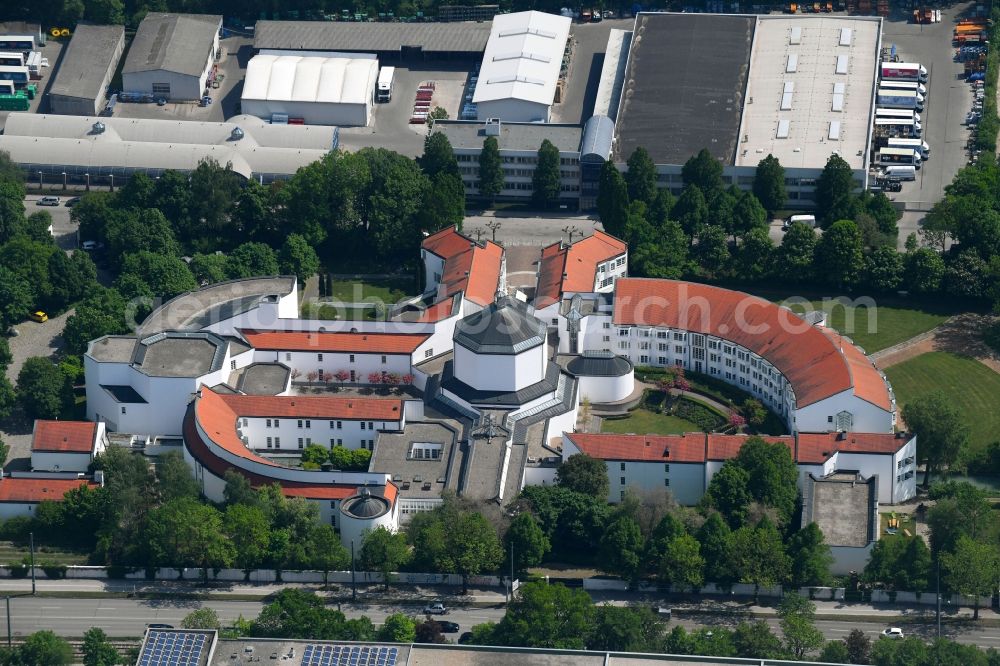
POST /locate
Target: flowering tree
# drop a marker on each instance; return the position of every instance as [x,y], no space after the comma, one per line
[681,384]
[665,385]
[407,379]
[392,379]
[342,375]
[312,376]
[374,377]
[737,421]
[296,373]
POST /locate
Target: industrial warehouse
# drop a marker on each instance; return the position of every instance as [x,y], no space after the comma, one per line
[80,88]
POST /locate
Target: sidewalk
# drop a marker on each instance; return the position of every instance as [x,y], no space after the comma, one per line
[410,594]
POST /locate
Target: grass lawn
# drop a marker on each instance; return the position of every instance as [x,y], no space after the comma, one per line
[877,328]
[331,313]
[11,553]
[906,524]
[388,290]
[974,389]
[644,422]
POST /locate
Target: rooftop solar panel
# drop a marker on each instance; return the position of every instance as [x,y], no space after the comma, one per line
[349,655]
[173,648]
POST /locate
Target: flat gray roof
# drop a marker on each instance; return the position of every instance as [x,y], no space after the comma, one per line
[172,42]
[843,508]
[467,37]
[829,109]
[263,379]
[170,355]
[112,348]
[391,456]
[684,86]
[93,50]
[470,134]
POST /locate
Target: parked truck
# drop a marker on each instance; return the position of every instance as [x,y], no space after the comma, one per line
[18,75]
[889,98]
[385,76]
[904,71]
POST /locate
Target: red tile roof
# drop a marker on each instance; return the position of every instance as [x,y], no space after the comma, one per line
[809,357]
[37,490]
[64,436]
[573,269]
[219,422]
[438,311]
[807,448]
[315,407]
[348,343]
[469,267]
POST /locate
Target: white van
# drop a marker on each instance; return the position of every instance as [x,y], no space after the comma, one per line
[808,220]
[901,172]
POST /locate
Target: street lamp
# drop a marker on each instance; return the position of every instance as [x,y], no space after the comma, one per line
[494,226]
[354,584]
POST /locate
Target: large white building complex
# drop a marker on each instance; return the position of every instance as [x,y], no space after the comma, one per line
[493,378]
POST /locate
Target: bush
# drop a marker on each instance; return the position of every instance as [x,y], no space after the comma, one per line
[53,570]
[118,571]
[704,417]
[19,570]
[986,133]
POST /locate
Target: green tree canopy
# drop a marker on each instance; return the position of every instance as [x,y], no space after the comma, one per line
[941,432]
[621,548]
[769,184]
[583,474]
[384,551]
[703,171]
[297,257]
[43,390]
[98,650]
[835,192]
[438,157]
[641,176]
[839,257]
[973,569]
[547,616]
[810,557]
[490,170]
[545,181]
[613,200]
[528,541]
[798,624]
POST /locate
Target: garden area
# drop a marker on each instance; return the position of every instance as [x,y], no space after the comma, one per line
[388,290]
[656,416]
[973,388]
[877,328]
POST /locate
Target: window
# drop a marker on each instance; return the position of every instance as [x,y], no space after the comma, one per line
[232,365]
[555,321]
[666,482]
[643,359]
[268,442]
[678,349]
[829,419]
[309,424]
[606,338]
[607,325]
[643,345]
[383,359]
[277,442]
[622,465]
[623,332]
[363,425]
[662,335]
[333,442]
[678,336]
[622,495]
[428,353]
[418,450]
[350,358]
[623,344]
[666,468]
[371,425]
[123,410]
[288,356]
[300,423]
[300,442]
[319,357]
[269,423]
[161,89]
[308,442]
[623,480]
[320,374]
[340,425]
[332,425]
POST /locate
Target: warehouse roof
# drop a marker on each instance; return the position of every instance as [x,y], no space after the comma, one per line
[684,86]
[293,78]
[523,57]
[93,50]
[153,144]
[811,79]
[371,37]
[172,42]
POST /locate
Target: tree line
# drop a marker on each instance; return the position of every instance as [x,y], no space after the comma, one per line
[715,233]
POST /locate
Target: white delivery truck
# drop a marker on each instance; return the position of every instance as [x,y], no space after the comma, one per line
[384,88]
[917,144]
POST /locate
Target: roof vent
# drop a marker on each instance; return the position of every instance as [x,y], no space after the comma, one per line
[98,127]
[236,134]
[492,127]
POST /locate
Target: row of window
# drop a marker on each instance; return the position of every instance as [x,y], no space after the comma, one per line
[350,358]
[307,423]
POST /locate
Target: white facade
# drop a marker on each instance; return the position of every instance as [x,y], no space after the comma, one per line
[518,166]
[322,89]
[607,389]
[327,364]
[501,372]
[279,434]
[353,529]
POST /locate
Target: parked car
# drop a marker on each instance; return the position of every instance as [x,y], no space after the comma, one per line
[159,626]
[465,638]
[48,201]
[893,632]
[90,245]
[72,202]
[448,627]
[435,609]
[38,316]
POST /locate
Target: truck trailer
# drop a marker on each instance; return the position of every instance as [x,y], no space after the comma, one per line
[899,99]
[384,86]
[18,75]
[904,71]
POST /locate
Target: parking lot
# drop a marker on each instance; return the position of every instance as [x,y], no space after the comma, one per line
[949,98]
[53,50]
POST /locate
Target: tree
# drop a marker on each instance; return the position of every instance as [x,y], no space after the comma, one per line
[4,452]
[691,210]
[297,257]
[296,613]
[883,269]
[625,628]
[703,171]
[729,493]
[940,430]
[251,260]
[249,531]
[103,312]
[681,563]
[547,616]
[44,648]
[97,649]
[641,176]
[159,275]
[612,200]
[757,555]
[749,214]
[839,257]
[428,631]
[834,652]
[713,249]
[772,474]
[967,275]
[444,202]
[859,647]
[835,192]
[325,552]
[398,628]
[545,181]
[186,533]
[583,474]
[810,557]
[72,278]
[473,547]
[797,252]
[621,548]
[798,616]
[769,184]
[973,569]
[384,551]
[8,398]
[528,541]
[438,157]
[203,618]
[16,297]
[755,640]
[490,170]
[175,477]
[924,270]
[44,391]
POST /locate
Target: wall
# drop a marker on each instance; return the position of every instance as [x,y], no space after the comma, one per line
[866,416]
[500,372]
[182,87]
[353,529]
[513,111]
[314,113]
[306,362]
[46,461]
[433,269]
[848,558]
[319,431]
[607,389]
[86,106]
[16,509]
[891,488]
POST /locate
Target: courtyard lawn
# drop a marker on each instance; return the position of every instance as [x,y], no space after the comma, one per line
[388,290]
[973,388]
[644,422]
[889,325]
[331,313]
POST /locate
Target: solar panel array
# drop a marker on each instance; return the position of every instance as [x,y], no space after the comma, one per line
[349,655]
[173,648]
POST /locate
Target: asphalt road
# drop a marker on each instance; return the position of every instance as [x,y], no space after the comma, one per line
[123,618]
